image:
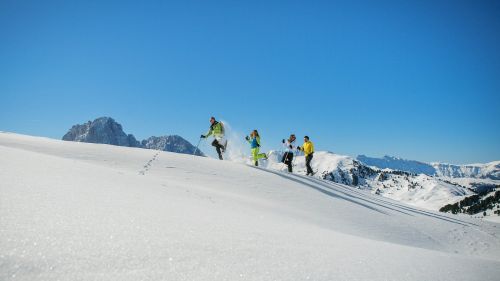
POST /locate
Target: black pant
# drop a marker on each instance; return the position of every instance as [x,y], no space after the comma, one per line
[288,160]
[218,147]
[308,164]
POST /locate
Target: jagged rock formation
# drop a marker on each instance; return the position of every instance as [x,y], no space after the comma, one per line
[171,143]
[103,130]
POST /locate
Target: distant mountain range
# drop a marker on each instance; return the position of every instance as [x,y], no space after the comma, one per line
[480,171]
[106,130]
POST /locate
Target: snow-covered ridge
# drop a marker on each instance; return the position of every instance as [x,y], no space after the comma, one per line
[394,163]
[484,171]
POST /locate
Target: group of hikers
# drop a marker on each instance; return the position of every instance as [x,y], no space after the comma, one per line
[220,143]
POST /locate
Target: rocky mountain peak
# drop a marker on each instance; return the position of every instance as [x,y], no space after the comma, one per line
[103,130]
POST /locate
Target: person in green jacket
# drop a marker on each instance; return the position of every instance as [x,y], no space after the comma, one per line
[254,141]
[217,130]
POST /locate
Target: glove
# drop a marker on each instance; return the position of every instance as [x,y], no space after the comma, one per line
[258,145]
[247,138]
[290,146]
[202,137]
[283,141]
[298,148]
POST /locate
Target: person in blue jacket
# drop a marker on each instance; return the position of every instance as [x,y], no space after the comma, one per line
[254,140]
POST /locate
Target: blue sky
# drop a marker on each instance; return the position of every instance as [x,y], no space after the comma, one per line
[414,79]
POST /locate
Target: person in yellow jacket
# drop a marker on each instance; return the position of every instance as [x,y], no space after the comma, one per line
[254,141]
[308,148]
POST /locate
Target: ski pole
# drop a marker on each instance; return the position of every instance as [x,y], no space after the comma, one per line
[197,147]
[293,160]
[285,158]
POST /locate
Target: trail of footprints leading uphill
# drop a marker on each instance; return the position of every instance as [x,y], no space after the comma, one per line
[148,164]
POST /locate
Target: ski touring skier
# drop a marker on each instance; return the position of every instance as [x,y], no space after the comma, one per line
[254,140]
[308,148]
[289,146]
[217,130]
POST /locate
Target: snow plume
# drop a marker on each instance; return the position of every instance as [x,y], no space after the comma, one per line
[237,149]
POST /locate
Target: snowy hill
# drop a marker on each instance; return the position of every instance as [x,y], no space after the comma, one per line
[81,211]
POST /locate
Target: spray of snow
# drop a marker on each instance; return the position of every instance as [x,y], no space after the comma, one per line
[237,148]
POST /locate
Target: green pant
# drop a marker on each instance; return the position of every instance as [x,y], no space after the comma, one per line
[256,155]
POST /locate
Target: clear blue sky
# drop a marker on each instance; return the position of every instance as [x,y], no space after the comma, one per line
[414,79]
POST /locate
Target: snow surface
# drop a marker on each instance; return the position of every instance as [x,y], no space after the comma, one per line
[80,211]
[493,218]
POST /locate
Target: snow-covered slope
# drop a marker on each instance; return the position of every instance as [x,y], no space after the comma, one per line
[417,190]
[80,211]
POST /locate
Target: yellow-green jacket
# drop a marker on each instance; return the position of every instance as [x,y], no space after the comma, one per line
[216,129]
